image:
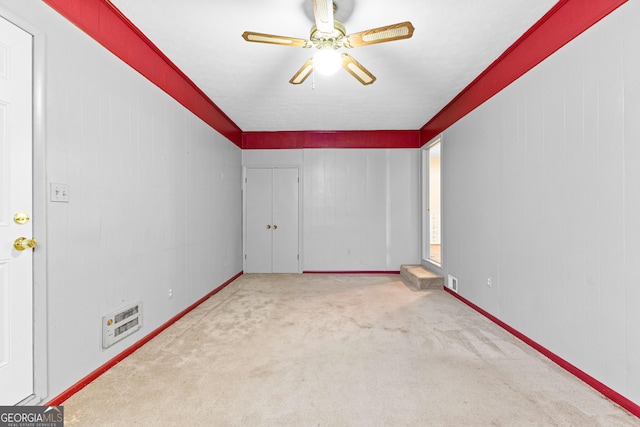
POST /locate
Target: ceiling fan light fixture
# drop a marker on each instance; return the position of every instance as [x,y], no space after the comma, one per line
[327,61]
[328,35]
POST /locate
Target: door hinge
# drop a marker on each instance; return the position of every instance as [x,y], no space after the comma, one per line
[298,256]
[298,180]
[245,256]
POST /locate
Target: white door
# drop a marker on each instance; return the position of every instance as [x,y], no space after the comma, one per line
[272,212]
[285,221]
[16,281]
[259,211]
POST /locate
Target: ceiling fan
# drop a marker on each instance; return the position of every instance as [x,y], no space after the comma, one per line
[328,35]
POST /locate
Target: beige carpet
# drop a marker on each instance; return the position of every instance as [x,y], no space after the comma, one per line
[337,350]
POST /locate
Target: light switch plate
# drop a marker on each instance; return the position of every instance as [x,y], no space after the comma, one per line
[59,193]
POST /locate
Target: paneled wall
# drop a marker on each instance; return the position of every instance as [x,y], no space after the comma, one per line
[360,206]
[541,189]
[155,199]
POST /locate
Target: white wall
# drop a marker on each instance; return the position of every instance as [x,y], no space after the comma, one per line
[360,206]
[541,189]
[155,199]
[541,192]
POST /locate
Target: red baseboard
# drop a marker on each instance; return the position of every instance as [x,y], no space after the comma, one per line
[353,272]
[59,399]
[594,383]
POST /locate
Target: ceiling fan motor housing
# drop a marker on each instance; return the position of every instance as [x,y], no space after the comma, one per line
[333,40]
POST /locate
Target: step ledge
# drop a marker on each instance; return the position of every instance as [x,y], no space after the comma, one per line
[418,278]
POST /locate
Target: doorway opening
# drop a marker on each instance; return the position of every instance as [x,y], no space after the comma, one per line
[431,203]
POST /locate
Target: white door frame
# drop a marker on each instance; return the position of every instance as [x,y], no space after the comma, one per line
[40,383]
[300,203]
[424,203]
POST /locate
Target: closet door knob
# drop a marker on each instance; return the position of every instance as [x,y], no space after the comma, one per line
[275,226]
[268,227]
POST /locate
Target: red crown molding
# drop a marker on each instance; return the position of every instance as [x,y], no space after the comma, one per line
[102,21]
[564,22]
[331,139]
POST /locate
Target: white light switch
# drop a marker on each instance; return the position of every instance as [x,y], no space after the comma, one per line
[59,193]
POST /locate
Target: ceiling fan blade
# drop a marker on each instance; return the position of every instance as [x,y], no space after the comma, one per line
[323,12]
[271,39]
[302,73]
[403,30]
[357,70]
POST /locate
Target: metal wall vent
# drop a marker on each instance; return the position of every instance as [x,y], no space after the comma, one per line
[452,283]
[120,324]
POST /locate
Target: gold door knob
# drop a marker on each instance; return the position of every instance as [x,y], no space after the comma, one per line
[268,227]
[23,243]
[275,226]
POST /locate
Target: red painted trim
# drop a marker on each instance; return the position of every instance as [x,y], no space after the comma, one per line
[102,21]
[108,26]
[331,139]
[594,383]
[354,272]
[564,22]
[59,399]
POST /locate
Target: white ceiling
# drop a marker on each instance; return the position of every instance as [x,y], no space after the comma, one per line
[453,42]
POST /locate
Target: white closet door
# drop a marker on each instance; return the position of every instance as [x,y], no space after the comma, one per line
[272,220]
[259,211]
[285,218]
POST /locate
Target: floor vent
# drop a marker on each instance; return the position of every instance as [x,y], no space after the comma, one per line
[121,324]
[452,283]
